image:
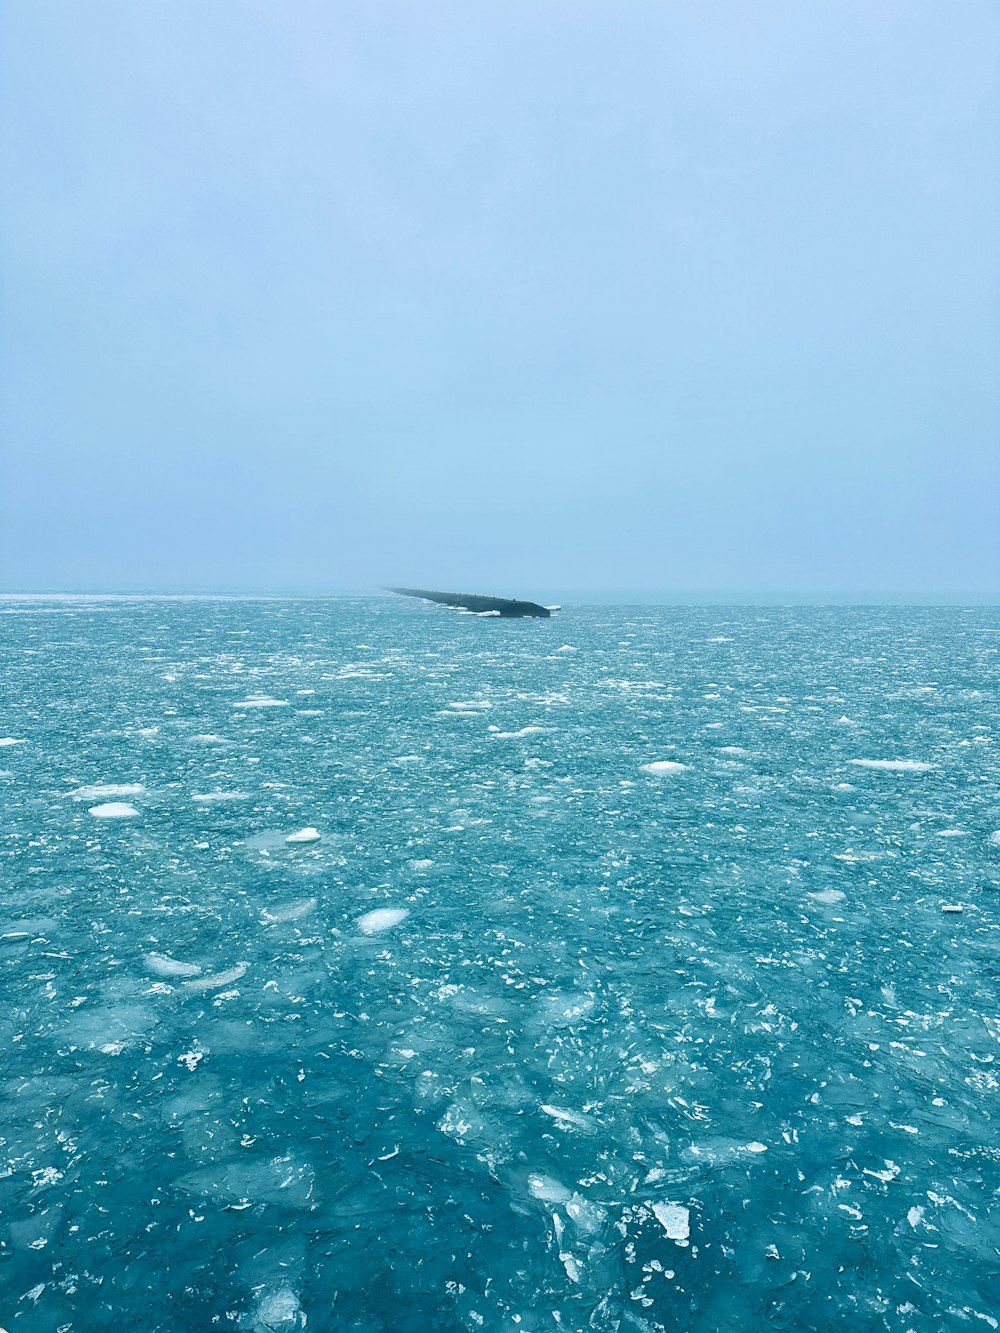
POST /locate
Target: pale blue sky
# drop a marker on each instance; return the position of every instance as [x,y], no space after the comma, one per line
[519,296]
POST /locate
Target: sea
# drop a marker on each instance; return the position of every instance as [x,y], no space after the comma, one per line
[369,966]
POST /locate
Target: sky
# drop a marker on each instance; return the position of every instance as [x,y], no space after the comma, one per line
[686,298]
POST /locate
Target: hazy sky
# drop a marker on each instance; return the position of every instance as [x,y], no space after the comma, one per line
[519,296]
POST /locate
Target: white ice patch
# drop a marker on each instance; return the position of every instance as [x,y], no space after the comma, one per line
[12,740]
[383,918]
[218,797]
[288,912]
[674,1219]
[545,1187]
[893,765]
[104,791]
[516,735]
[114,810]
[952,907]
[829,896]
[261,701]
[217,979]
[995,838]
[564,1117]
[278,1311]
[662,767]
[162,965]
[305,835]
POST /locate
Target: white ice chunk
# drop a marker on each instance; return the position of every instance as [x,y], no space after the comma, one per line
[162,965]
[102,791]
[211,797]
[893,765]
[383,918]
[289,911]
[545,1187]
[587,1216]
[674,1219]
[278,1311]
[661,767]
[261,701]
[829,896]
[564,1117]
[952,907]
[305,835]
[13,740]
[217,979]
[114,810]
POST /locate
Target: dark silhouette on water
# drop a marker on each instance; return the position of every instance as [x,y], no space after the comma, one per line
[507,607]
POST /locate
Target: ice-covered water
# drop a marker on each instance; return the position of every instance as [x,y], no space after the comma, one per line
[615,991]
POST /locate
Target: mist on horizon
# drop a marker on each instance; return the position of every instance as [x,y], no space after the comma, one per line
[684,301]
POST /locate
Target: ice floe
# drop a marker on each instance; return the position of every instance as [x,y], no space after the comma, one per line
[383,918]
[162,965]
[566,1117]
[108,791]
[548,1189]
[305,835]
[217,979]
[828,896]
[894,765]
[662,767]
[12,740]
[114,810]
[260,701]
[675,1220]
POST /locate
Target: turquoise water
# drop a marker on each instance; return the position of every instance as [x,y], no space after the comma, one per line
[694,1048]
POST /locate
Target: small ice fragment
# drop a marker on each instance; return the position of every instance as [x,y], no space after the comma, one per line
[277,1311]
[211,797]
[893,765]
[383,918]
[161,965]
[12,740]
[217,979]
[756,1147]
[191,1059]
[544,1187]
[952,907]
[828,896]
[260,701]
[567,1117]
[114,810]
[305,835]
[661,767]
[674,1219]
[288,911]
[771,1252]
[100,791]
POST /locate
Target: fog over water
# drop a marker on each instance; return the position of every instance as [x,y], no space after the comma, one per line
[670,298]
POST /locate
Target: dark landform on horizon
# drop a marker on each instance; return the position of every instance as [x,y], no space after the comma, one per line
[507,607]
